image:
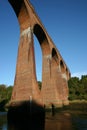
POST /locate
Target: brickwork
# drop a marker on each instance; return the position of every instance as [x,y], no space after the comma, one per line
[55,73]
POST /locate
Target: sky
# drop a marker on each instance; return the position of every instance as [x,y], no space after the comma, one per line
[65,22]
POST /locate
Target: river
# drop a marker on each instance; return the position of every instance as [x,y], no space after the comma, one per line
[65,119]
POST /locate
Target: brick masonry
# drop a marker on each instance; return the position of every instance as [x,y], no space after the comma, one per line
[55,72]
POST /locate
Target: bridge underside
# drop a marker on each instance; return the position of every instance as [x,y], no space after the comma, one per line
[55,73]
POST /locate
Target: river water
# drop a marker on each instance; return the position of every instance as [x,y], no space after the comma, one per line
[67,119]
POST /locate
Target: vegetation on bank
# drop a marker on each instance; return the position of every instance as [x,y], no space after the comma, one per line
[77,90]
[5,95]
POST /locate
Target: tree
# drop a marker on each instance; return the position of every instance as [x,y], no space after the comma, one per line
[5,92]
[2,92]
[40,84]
[9,92]
[78,88]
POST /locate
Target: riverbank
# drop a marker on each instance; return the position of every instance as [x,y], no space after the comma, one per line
[74,104]
[78,101]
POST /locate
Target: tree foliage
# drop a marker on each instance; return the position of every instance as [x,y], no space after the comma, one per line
[5,92]
[39,84]
[78,88]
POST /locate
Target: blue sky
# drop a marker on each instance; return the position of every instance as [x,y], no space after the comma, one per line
[65,22]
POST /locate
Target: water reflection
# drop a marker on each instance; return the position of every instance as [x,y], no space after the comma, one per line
[26,124]
[3,121]
[26,117]
[57,122]
[60,120]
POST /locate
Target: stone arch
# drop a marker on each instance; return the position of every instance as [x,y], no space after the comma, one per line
[69,75]
[41,36]
[67,72]
[55,58]
[38,54]
[21,12]
[16,5]
[62,66]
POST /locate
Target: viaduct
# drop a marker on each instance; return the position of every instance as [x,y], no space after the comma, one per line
[55,72]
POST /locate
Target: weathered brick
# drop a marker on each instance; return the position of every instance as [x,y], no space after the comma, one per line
[55,73]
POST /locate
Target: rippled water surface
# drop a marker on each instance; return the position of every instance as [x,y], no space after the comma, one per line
[61,120]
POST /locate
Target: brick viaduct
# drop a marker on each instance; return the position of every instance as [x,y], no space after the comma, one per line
[55,73]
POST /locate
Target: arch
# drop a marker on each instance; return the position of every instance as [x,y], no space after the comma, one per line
[62,66]
[21,12]
[38,53]
[16,5]
[41,36]
[69,75]
[67,72]
[55,56]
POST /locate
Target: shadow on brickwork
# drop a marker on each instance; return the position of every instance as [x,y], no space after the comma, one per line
[26,116]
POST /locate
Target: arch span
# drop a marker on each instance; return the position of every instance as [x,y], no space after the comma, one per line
[41,36]
[16,4]
[62,66]
[55,56]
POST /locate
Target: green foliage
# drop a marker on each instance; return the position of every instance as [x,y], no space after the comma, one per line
[5,94]
[40,84]
[78,88]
